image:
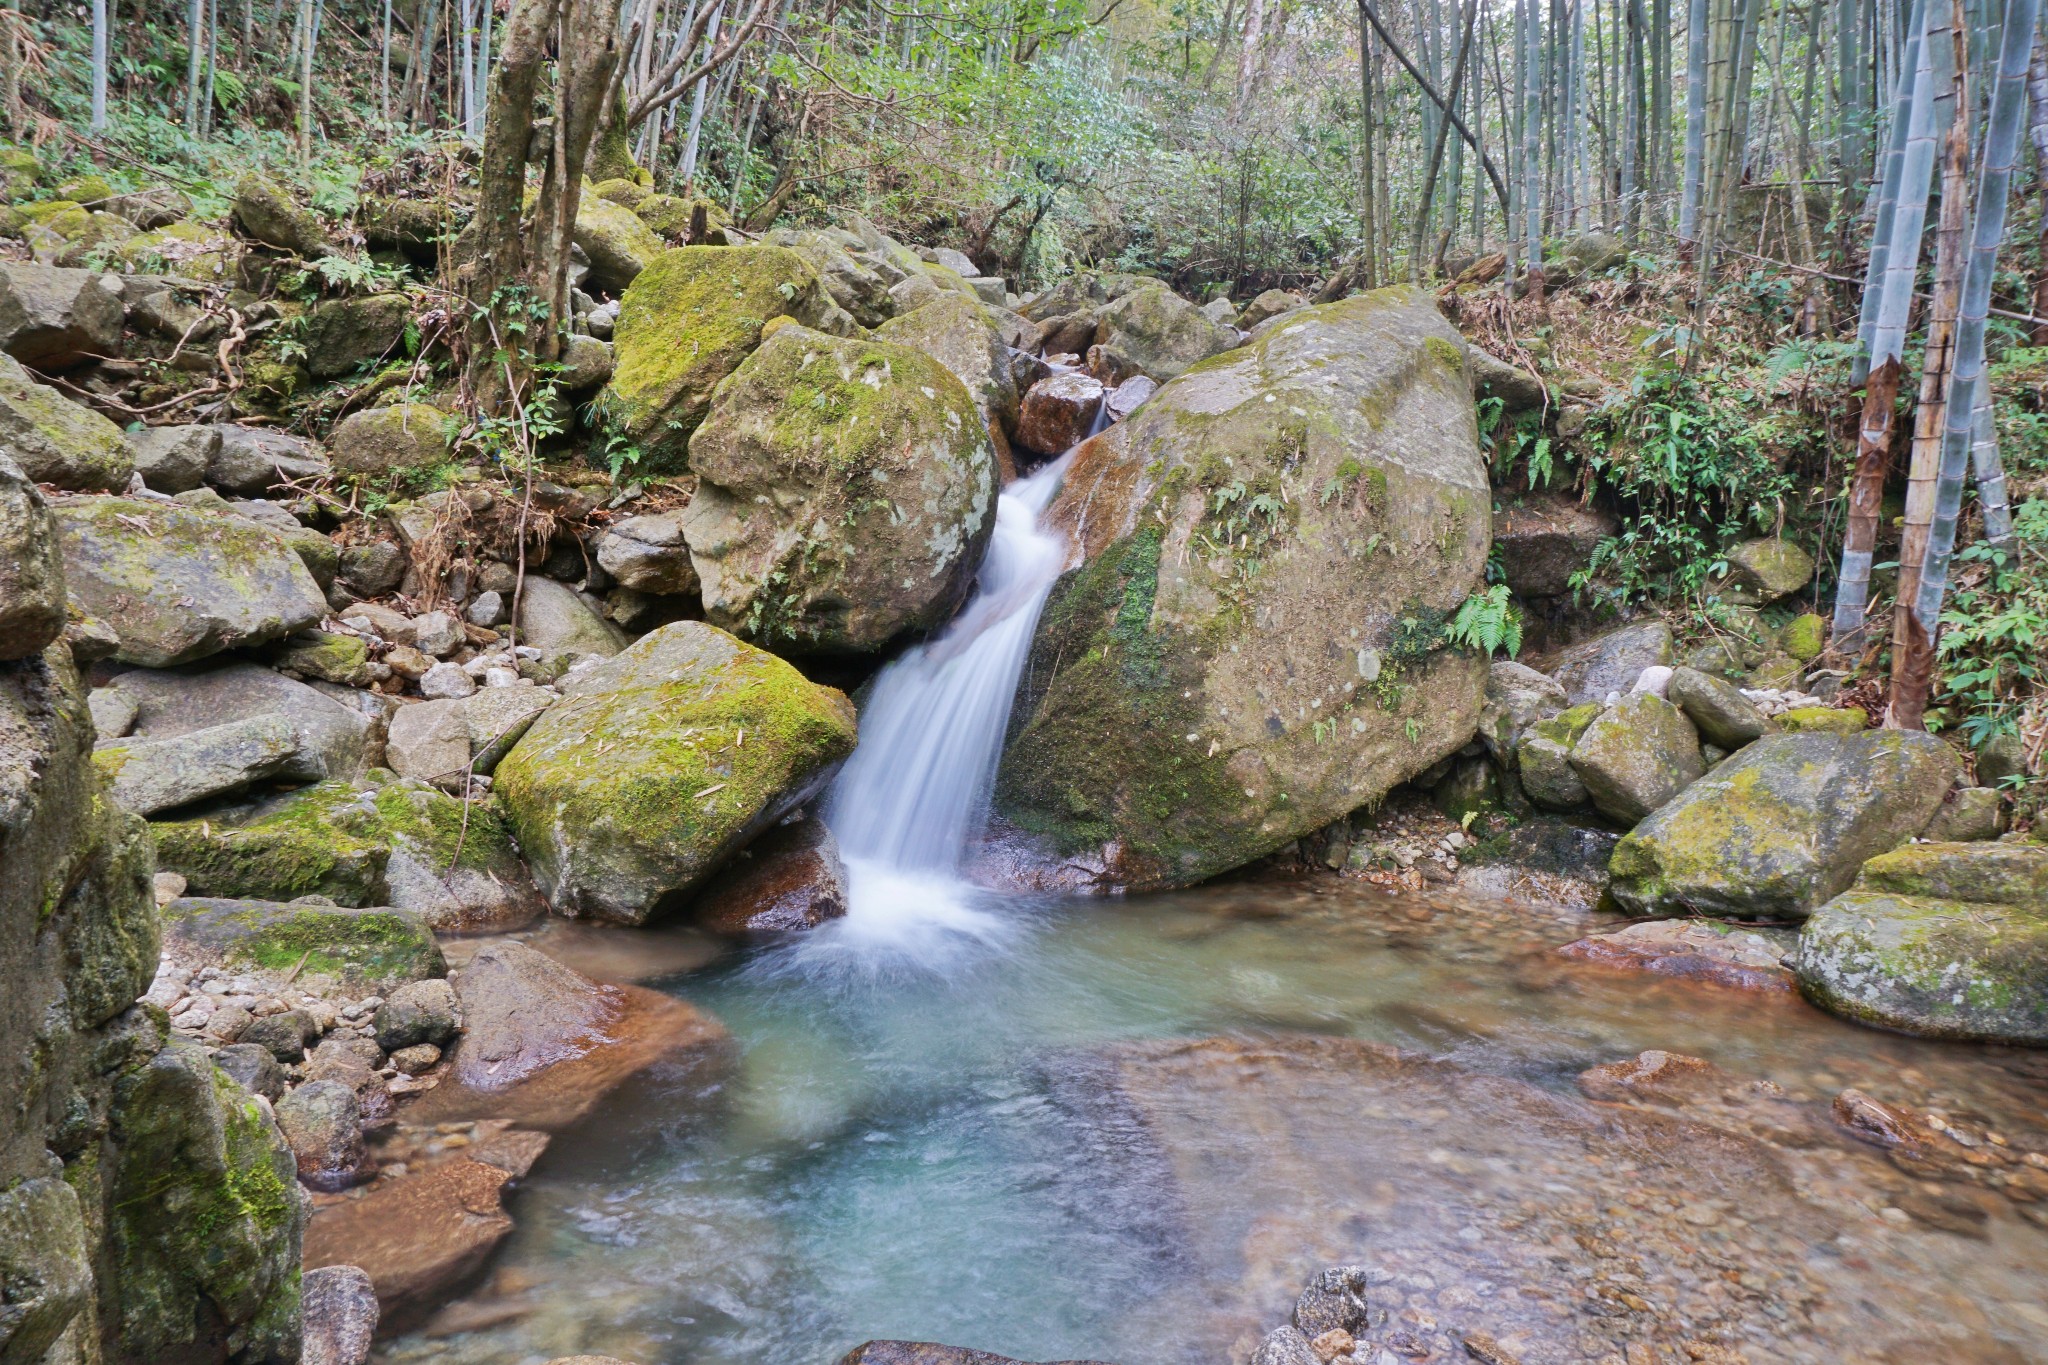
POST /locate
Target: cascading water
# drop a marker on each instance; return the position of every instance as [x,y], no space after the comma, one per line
[915,793]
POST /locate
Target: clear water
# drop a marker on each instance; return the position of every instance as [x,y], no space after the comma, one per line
[993,1148]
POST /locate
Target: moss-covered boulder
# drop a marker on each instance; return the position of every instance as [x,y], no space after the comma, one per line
[857,280]
[266,211]
[618,244]
[1943,940]
[80,238]
[961,334]
[687,322]
[177,584]
[343,335]
[397,844]
[1783,825]
[380,441]
[661,763]
[204,1218]
[1636,755]
[1762,571]
[189,250]
[376,948]
[56,441]
[845,492]
[1252,644]
[1804,637]
[416,227]
[1544,758]
[1517,697]
[1159,333]
[31,570]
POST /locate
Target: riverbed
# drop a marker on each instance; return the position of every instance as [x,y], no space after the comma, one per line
[1127,1131]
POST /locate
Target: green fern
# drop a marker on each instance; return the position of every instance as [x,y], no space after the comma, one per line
[1488,622]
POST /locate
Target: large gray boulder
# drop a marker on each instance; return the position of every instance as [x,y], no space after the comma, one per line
[554,618]
[54,318]
[661,763]
[1783,825]
[1236,661]
[1608,665]
[216,732]
[174,459]
[177,584]
[31,570]
[343,335]
[1717,708]
[846,490]
[961,334]
[54,440]
[1636,755]
[255,461]
[1160,333]
[1942,940]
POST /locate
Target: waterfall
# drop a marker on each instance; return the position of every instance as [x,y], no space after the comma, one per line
[915,794]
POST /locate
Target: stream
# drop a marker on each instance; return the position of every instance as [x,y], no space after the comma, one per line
[1128,1130]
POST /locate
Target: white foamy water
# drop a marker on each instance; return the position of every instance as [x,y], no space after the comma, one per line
[915,794]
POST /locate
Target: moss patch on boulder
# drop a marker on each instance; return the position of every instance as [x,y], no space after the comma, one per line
[661,763]
[379,948]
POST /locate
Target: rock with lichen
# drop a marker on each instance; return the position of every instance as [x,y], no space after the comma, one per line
[686,322]
[845,491]
[1252,642]
[661,763]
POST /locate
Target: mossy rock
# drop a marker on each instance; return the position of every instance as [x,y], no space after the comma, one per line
[400,844]
[178,584]
[845,492]
[670,215]
[1636,755]
[327,656]
[346,334]
[1544,758]
[620,190]
[56,441]
[1161,333]
[1824,720]
[1252,644]
[618,244]
[687,322]
[1942,940]
[204,1218]
[93,191]
[1804,637]
[663,762]
[19,172]
[266,211]
[1782,825]
[192,251]
[381,441]
[376,948]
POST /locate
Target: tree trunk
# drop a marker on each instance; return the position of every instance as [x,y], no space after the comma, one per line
[1368,212]
[2037,83]
[1697,26]
[1436,151]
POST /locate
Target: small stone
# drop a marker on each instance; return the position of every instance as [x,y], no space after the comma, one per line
[228,1024]
[168,887]
[340,1305]
[438,633]
[285,1034]
[419,1012]
[502,677]
[253,1068]
[1334,1299]
[488,609]
[447,682]
[1333,1343]
[416,1059]
[407,662]
[1285,1346]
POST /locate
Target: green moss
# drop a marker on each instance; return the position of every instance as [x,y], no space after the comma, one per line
[1825,719]
[685,323]
[1804,637]
[1446,352]
[377,946]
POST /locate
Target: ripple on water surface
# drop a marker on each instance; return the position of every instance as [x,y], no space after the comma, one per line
[1127,1130]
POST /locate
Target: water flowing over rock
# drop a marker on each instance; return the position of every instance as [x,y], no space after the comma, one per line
[931,1353]
[1242,655]
[1783,825]
[1059,412]
[661,763]
[846,490]
[1943,940]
